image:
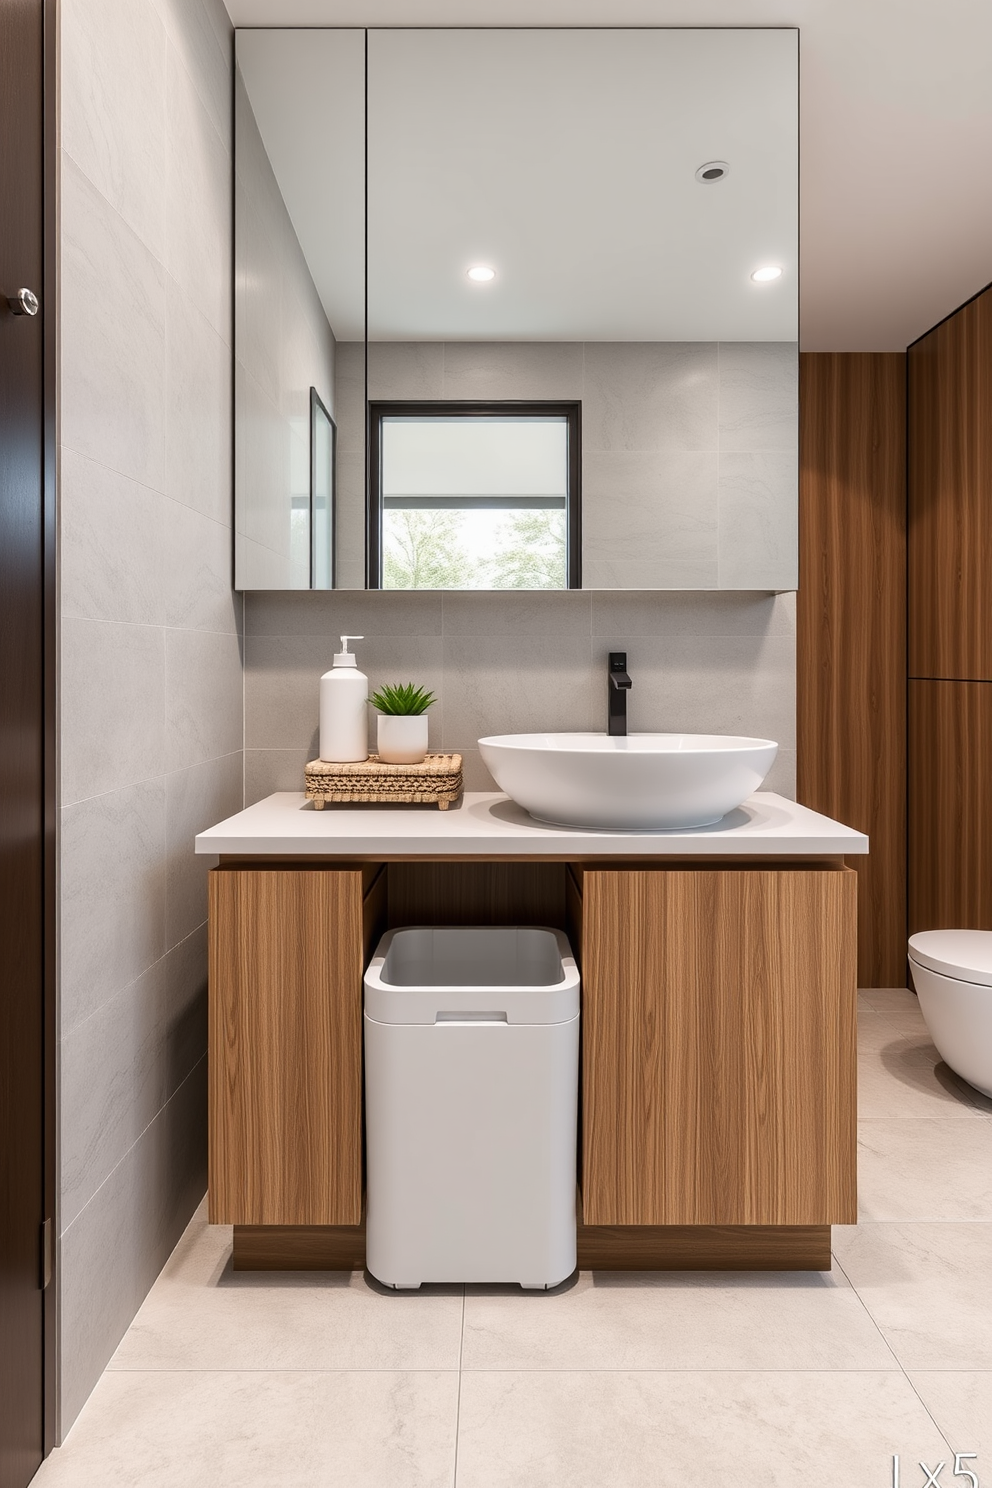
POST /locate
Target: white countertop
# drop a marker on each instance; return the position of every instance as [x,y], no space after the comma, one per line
[488,825]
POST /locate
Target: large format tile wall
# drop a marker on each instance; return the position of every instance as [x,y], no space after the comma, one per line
[519,661]
[151,680]
[689,449]
[283,347]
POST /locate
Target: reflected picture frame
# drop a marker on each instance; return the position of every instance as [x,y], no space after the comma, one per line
[323,523]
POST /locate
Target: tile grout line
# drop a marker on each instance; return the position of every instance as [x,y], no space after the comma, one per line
[458,1401]
[899,1364]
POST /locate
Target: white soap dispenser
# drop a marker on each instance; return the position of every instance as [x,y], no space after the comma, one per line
[344,711]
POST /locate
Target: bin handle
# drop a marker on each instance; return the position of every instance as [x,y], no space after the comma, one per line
[470,1017]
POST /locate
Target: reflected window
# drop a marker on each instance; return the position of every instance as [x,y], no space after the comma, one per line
[474,496]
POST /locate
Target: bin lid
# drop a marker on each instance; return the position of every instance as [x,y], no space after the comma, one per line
[964,954]
[427,974]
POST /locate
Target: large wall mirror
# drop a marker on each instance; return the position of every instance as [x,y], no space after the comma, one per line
[539,287]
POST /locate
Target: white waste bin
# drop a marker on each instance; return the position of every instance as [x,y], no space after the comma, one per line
[471,1096]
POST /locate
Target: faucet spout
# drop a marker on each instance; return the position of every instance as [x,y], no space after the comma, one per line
[618,686]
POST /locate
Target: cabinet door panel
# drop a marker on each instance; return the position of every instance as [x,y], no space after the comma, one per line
[286,962]
[719,1081]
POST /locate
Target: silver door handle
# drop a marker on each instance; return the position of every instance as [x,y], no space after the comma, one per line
[25,302]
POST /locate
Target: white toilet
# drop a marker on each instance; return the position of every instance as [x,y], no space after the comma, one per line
[952,974]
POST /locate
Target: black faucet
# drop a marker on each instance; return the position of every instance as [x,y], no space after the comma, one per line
[619,684]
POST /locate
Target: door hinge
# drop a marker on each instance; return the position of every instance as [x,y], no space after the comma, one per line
[47,1256]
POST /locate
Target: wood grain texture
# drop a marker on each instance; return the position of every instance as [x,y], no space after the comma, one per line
[285,1041]
[704,1247]
[950,806]
[851,629]
[299,1248]
[600,1248]
[950,517]
[442,893]
[719,1067]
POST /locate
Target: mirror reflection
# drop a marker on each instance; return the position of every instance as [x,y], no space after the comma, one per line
[559,220]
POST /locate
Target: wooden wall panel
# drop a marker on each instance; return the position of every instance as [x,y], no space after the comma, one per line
[950,497]
[719,1083]
[851,619]
[285,1045]
[950,805]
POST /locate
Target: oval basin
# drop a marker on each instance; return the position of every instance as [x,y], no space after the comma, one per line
[638,783]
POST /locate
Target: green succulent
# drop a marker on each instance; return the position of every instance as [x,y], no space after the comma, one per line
[402,698]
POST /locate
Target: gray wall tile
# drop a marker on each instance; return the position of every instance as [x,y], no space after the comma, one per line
[113,706]
[205,697]
[112,895]
[517,612]
[121,1065]
[759,519]
[151,675]
[650,395]
[349,396]
[333,615]
[203,38]
[113,106]
[759,395]
[628,614]
[111,545]
[505,685]
[713,684]
[406,369]
[268,770]
[198,409]
[195,799]
[198,201]
[197,571]
[659,507]
[112,337]
[497,369]
[124,1236]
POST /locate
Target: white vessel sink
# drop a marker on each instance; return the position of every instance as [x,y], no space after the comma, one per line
[641,782]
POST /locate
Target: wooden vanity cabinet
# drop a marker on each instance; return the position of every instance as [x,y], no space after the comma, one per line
[718,1050]
[719,1058]
[288,946]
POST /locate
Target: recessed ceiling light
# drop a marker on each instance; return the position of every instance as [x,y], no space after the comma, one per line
[481,273]
[713,170]
[767,274]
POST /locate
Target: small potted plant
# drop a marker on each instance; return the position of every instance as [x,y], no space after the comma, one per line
[402,729]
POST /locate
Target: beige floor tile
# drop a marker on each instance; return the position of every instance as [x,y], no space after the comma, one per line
[912,1169]
[261,1430]
[676,1320]
[961,1405]
[202,1315]
[895,1002]
[903,1084]
[660,1430]
[927,1286]
[879,1034]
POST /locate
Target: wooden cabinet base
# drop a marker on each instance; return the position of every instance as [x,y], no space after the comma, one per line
[601,1247]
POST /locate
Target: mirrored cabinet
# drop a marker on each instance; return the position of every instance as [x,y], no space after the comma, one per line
[516,308]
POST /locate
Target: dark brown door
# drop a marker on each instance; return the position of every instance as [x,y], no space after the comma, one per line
[22,741]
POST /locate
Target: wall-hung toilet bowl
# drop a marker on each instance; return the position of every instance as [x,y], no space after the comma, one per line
[952,974]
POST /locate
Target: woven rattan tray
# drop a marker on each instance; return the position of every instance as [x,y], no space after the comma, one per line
[437,780]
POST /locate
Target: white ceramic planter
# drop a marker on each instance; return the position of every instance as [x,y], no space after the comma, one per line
[402,738]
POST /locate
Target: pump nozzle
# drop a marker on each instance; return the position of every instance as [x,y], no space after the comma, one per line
[344,657]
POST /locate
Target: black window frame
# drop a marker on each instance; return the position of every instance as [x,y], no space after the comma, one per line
[447,409]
